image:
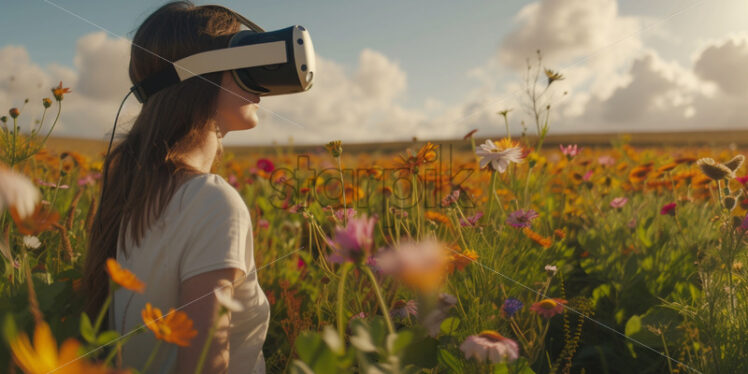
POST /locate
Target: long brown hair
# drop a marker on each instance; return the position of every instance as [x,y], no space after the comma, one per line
[144,168]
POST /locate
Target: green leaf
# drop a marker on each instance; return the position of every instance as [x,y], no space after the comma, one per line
[449,325]
[9,328]
[398,342]
[449,361]
[106,337]
[633,326]
[87,331]
[422,353]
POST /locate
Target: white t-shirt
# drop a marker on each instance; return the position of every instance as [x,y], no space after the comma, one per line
[205,226]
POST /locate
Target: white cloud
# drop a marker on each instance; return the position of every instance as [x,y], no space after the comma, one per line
[724,63]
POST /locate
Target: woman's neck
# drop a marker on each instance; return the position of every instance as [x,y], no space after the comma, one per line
[203,157]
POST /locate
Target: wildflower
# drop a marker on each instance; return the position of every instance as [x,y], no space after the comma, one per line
[714,170]
[470,134]
[735,163]
[345,215]
[499,158]
[43,356]
[548,307]
[639,173]
[685,160]
[668,209]
[559,233]
[223,294]
[451,198]
[14,112]
[510,307]
[335,148]
[175,327]
[17,191]
[744,224]
[570,151]
[353,243]
[553,76]
[31,242]
[4,119]
[551,270]
[618,202]
[606,160]
[360,315]
[58,91]
[537,238]
[522,218]
[46,102]
[587,176]
[490,346]
[419,265]
[123,277]
[41,220]
[436,217]
[667,167]
[459,260]
[504,112]
[471,220]
[403,309]
[265,165]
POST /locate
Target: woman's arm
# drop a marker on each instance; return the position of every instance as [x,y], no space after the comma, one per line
[203,312]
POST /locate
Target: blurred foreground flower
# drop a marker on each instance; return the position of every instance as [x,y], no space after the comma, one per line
[548,307]
[123,277]
[490,346]
[714,170]
[175,327]
[352,243]
[43,357]
[59,92]
[223,294]
[17,191]
[419,265]
[499,157]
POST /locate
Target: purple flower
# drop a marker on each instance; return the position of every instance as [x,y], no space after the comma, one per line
[668,209]
[403,309]
[618,202]
[510,307]
[744,225]
[353,243]
[522,218]
[472,220]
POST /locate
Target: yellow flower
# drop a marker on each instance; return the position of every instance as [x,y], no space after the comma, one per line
[123,277]
[174,328]
[43,356]
[59,91]
[553,76]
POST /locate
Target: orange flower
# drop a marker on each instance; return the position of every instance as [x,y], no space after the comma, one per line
[43,356]
[537,238]
[40,221]
[459,261]
[559,233]
[123,277]
[175,327]
[436,217]
[59,91]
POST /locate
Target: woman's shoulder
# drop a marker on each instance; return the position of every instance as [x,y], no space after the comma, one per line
[210,191]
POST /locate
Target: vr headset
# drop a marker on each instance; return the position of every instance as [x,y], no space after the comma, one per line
[264,63]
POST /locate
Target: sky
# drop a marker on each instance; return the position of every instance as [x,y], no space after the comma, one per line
[392,70]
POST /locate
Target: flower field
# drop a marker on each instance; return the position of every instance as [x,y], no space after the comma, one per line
[492,257]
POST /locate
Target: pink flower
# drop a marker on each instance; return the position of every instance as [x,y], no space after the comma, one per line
[606,160]
[618,202]
[668,209]
[471,220]
[263,223]
[403,309]
[349,213]
[522,218]
[587,176]
[743,180]
[490,346]
[451,198]
[570,151]
[300,263]
[548,307]
[265,165]
[353,243]
[233,181]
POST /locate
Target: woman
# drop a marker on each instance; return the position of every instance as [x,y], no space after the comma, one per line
[164,216]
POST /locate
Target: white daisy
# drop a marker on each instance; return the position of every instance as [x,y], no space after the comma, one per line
[499,158]
[18,191]
[31,242]
[490,346]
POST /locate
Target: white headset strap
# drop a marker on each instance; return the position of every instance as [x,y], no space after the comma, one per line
[231,58]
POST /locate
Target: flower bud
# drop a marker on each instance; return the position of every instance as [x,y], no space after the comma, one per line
[46,102]
[4,119]
[14,112]
[729,203]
